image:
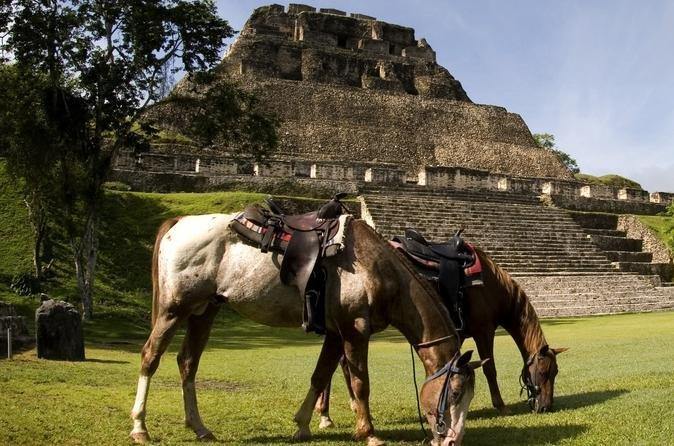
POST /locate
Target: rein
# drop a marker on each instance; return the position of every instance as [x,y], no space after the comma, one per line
[528,385]
[448,369]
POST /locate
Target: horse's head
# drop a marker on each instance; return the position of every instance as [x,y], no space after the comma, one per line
[446,396]
[538,378]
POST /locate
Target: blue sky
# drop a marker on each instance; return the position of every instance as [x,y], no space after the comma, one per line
[599,74]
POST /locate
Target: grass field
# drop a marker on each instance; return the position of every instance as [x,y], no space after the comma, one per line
[616,386]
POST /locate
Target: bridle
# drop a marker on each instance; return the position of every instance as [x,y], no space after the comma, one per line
[530,384]
[448,370]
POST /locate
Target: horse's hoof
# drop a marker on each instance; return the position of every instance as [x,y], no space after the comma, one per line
[206,436]
[140,437]
[374,441]
[302,434]
[325,423]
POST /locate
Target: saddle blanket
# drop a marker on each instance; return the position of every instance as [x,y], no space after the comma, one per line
[254,233]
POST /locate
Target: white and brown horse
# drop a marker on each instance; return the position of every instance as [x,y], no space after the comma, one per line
[199,262]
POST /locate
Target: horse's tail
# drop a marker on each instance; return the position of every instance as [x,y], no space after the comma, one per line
[163,229]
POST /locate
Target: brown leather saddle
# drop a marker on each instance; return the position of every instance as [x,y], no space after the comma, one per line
[304,240]
[451,267]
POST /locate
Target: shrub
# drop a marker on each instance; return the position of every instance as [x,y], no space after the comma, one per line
[25,284]
[117,185]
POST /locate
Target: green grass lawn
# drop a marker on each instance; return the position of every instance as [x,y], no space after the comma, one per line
[615,387]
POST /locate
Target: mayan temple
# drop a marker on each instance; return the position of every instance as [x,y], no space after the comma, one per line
[364,107]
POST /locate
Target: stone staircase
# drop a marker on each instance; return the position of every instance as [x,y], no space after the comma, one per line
[625,253]
[562,268]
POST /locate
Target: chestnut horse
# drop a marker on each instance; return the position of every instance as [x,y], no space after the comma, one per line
[199,263]
[500,302]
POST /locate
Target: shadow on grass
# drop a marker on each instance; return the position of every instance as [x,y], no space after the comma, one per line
[563,402]
[105,361]
[501,435]
[516,436]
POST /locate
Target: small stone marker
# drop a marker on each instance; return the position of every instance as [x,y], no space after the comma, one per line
[58,331]
[13,332]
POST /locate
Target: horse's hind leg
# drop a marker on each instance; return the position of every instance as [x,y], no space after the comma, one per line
[162,332]
[198,331]
[323,404]
[325,368]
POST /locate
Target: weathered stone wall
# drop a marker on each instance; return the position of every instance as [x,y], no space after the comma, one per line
[163,172]
[339,123]
[651,242]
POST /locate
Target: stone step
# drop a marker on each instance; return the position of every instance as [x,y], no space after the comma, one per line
[609,243]
[611,232]
[589,310]
[423,191]
[592,220]
[628,256]
[662,269]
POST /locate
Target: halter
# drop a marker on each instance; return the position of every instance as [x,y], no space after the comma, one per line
[450,369]
[529,384]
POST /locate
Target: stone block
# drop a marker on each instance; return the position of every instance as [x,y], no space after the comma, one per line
[384,175]
[362,16]
[379,84]
[274,169]
[317,37]
[662,197]
[58,331]
[296,8]
[425,53]
[302,169]
[401,35]
[373,46]
[332,11]
[632,194]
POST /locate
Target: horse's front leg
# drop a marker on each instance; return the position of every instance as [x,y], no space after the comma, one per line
[325,368]
[485,347]
[356,340]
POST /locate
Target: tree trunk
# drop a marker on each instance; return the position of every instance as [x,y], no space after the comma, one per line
[86,254]
[38,222]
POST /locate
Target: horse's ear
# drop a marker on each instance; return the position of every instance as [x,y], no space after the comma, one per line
[557,351]
[464,359]
[544,350]
[477,364]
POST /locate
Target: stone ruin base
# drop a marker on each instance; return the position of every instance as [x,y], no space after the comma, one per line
[20,338]
[58,331]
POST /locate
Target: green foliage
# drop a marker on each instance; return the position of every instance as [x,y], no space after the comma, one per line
[608,180]
[614,363]
[92,67]
[16,237]
[547,141]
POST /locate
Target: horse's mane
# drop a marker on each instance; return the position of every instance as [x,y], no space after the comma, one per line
[521,316]
[403,260]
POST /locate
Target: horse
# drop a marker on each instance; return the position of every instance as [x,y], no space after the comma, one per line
[199,263]
[500,302]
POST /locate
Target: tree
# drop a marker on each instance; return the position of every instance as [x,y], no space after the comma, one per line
[30,144]
[104,62]
[547,141]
